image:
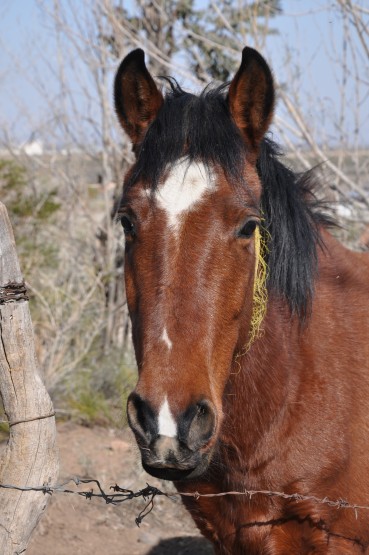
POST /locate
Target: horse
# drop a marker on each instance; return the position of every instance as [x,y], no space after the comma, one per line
[249,321]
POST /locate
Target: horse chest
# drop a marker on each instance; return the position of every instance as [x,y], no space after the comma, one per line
[246,526]
[233,526]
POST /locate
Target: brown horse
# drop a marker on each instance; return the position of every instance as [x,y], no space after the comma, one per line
[224,402]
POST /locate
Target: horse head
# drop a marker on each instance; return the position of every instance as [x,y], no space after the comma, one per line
[191,215]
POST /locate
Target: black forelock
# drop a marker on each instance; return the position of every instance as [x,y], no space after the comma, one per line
[198,127]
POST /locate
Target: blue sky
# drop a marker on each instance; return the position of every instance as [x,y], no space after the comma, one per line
[309,33]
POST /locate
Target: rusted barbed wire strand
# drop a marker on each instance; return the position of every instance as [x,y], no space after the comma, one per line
[122,494]
[149,493]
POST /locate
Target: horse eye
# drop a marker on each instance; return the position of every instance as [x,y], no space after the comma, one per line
[248,229]
[127,225]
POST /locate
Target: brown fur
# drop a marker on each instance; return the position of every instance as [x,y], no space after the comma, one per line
[291,415]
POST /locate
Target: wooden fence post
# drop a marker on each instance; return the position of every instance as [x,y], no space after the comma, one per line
[31,457]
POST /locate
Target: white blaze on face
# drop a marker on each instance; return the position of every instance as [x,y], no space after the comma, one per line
[165,338]
[183,189]
[166,423]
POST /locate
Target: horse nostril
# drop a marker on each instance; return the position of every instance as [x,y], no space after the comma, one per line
[141,418]
[202,425]
[201,410]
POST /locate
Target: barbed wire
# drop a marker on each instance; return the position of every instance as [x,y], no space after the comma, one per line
[149,493]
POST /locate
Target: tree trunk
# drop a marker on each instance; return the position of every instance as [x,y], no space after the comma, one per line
[31,457]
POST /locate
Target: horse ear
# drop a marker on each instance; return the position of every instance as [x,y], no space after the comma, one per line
[251,97]
[137,98]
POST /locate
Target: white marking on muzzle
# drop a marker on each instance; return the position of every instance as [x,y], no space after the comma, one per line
[183,189]
[166,423]
[166,339]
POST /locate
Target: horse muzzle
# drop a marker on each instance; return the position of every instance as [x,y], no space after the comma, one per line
[169,460]
[173,448]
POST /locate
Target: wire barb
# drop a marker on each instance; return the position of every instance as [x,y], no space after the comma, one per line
[12,292]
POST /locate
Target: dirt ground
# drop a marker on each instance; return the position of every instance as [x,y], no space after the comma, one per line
[73,525]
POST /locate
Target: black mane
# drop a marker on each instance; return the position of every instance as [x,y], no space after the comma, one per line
[293,215]
[201,127]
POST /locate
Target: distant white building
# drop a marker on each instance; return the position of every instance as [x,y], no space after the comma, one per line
[34,148]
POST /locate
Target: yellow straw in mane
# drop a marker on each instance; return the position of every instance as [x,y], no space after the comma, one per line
[260,294]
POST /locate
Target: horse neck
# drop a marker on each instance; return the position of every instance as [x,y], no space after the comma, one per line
[272,388]
[265,380]
[262,383]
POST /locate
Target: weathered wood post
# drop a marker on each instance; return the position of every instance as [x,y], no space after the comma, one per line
[31,457]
